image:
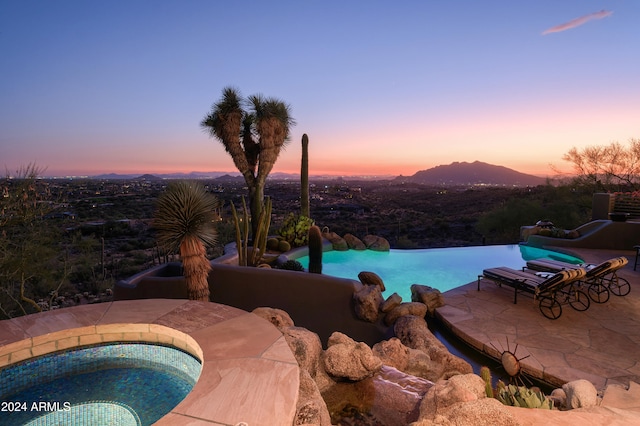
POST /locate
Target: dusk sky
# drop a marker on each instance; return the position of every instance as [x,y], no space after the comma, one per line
[90,87]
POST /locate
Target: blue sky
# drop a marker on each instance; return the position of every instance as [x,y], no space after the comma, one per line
[90,87]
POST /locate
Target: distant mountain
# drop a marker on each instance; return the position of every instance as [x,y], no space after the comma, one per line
[192,175]
[233,176]
[476,173]
[148,177]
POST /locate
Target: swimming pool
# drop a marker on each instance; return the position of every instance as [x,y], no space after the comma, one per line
[122,383]
[444,269]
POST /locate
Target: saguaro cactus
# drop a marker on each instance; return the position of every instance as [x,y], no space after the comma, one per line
[315,250]
[304,178]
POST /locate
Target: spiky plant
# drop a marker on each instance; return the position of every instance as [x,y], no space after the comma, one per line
[184,221]
[269,120]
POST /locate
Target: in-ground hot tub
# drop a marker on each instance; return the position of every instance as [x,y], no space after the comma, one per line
[115,383]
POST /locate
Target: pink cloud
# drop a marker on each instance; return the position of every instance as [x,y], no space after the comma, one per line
[578,21]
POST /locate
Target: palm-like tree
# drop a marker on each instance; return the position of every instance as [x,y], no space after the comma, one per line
[184,221]
[253,138]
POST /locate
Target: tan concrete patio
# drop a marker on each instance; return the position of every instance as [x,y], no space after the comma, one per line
[601,344]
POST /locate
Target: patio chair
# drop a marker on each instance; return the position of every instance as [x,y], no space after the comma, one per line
[601,278]
[551,291]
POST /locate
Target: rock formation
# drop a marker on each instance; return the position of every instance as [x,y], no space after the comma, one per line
[376,243]
[348,359]
[431,297]
[390,303]
[353,242]
[367,303]
[371,278]
[407,308]
[338,243]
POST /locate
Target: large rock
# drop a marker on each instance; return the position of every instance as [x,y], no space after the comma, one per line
[390,397]
[393,353]
[414,333]
[481,412]
[347,359]
[373,242]
[408,308]
[354,242]
[580,393]
[439,363]
[338,243]
[311,408]
[445,393]
[410,361]
[371,278]
[392,301]
[306,348]
[430,296]
[421,365]
[277,317]
[367,303]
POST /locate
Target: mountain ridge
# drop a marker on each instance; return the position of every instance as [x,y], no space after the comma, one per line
[454,174]
[476,173]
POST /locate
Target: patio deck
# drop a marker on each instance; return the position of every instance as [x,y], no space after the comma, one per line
[601,344]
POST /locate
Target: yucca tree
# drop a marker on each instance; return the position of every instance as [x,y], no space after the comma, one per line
[253,137]
[184,222]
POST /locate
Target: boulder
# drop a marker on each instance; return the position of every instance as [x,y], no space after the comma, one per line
[430,296]
[338,243]
[580,393]
[446,393]
[481,412]
[347,359]
[277,317]
[421,365]
[306,348]
[310,408]
[354,242]
[373,242]
[414,333]
[367,303]
[391,302]
[558,397]
[371,278]
[390,397]
[439,363]
[408,308]
[392,353]
[410,361]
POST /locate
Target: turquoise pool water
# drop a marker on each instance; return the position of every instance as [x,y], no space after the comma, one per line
[114,384]
[444,269]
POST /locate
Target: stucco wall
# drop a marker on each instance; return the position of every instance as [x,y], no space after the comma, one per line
[320,303]
[598,234]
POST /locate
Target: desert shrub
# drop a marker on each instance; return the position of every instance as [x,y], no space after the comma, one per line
[295,229]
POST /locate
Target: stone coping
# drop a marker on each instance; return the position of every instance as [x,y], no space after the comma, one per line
[244,358]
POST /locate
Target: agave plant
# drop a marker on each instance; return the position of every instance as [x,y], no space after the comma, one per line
[184,221]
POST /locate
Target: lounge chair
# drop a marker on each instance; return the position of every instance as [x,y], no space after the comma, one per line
[601,278]
[551,291]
